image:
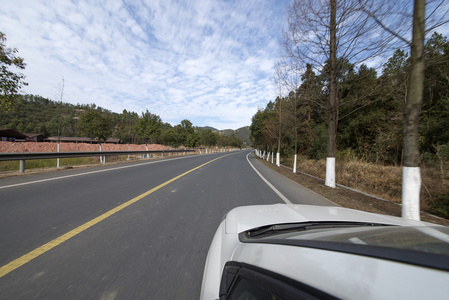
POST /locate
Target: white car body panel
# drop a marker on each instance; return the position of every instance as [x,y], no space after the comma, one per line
[366,281]
[341,274]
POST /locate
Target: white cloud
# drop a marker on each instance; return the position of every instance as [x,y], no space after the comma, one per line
[206,61]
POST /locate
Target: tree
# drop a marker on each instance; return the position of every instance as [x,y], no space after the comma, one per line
[310,101]
[264,133]
[333,102]
[435,112]
[184,130]
[124,124]
[208,138]
[325,32]
[10,82]
[95,125]
[411,170]
[235,142]
[170,137]
[148,128]
[437,16]
[279,82]
[289,74]
[193,140]
[371,110]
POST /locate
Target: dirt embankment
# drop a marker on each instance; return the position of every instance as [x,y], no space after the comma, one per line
[351,199]
[14,147]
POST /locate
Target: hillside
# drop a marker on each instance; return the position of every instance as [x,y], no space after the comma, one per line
[209,128]
[35,114]
[241,133]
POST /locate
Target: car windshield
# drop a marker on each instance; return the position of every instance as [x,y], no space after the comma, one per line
[418,238]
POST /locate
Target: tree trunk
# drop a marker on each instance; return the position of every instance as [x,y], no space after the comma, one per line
[278,154]
[296,132]
[411,175]
[333,102]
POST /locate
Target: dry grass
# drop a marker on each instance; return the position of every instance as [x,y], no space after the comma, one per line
[378,180]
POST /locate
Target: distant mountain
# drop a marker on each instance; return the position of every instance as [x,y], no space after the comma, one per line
[242,133]
[35,114]
[209,128]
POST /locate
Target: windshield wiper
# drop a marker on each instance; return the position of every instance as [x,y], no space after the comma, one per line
[282,228]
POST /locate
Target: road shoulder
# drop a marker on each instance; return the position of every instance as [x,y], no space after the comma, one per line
[294,191]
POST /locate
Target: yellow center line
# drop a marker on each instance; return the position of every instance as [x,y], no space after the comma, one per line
[59,240]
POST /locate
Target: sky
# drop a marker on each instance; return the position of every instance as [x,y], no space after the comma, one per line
[210,62]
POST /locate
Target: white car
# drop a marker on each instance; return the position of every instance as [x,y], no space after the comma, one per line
[286,251]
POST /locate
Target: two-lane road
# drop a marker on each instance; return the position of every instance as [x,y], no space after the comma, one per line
[133,231]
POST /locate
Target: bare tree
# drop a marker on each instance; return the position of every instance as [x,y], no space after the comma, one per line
[289,76]
[278,80]
[411,185]
[435,17]
[333,102]
[322,33]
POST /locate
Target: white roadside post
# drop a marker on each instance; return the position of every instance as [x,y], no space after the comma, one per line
[57,163]
[294,163]
[22,166]
[330,172]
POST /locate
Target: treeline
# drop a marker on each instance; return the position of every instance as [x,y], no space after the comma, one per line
[370,113]
[36,114]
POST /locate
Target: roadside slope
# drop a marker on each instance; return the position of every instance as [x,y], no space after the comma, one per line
[348,198]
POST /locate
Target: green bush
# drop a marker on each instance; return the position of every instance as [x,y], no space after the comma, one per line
[441,206]
[319,146]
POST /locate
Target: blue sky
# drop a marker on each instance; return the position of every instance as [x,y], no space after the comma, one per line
[210,62]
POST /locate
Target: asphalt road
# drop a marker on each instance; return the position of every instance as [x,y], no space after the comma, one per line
[134,231]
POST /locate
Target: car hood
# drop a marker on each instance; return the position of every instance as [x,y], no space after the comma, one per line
[247,217]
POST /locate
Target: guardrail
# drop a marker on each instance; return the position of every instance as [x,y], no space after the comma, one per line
[22,157]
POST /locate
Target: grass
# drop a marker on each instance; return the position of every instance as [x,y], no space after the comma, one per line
[383,181]
[45,163]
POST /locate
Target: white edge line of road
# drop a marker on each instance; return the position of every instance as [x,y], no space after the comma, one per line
[268,183]
[92,172]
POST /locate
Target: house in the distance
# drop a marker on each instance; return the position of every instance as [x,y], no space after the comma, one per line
[63,139]
[11,135]
[35,137]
